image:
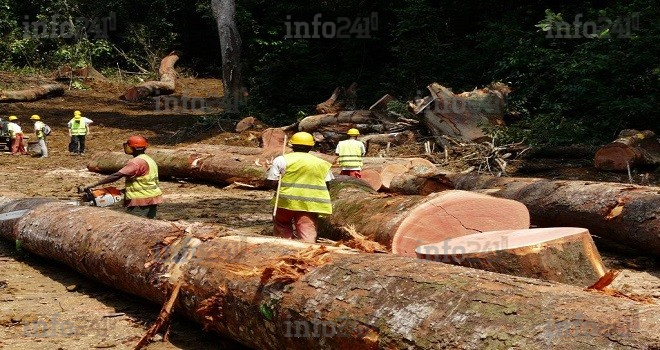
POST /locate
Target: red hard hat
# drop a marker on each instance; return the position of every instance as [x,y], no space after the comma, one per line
[137,142]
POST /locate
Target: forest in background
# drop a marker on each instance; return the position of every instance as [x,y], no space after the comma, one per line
[578,89]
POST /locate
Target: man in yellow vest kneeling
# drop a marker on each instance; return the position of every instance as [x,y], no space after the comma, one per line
[143,194]
[303,194]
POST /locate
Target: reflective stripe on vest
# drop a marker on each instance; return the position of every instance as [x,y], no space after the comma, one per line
[78,127]
[145,186]
[350,153]
[303,184]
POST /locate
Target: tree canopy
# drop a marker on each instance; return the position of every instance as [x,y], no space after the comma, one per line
[580,72]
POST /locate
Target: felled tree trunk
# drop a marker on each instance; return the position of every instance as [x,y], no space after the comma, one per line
[314,122]
[626,214]
[273,138]
[402,223]
[561,254]
[165,86]
[27,95]
[222,165]
[270,293]
[424,184]
[87,72]
[631,149]
[464,115]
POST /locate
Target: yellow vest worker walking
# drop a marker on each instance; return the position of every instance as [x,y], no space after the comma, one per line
[78,130]
[350,154]
[303,191]
[142,191]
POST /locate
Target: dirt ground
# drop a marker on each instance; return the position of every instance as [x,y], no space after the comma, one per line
[40,299]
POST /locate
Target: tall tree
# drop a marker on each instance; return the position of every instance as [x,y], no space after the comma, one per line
[224,12]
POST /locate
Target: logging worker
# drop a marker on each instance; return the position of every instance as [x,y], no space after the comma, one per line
[350,154]
[78,130]
[16,134]
[142,193]
[303,193]
[40,133]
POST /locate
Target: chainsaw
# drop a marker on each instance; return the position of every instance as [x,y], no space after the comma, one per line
[101,197]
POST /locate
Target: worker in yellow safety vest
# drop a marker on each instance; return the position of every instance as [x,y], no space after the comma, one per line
[78,130]
[16,134]
[142,194]
[303,193]
[350,154]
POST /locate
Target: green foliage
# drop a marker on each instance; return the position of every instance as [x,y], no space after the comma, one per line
[564,89]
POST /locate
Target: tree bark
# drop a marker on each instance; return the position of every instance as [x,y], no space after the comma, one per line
[270,293]
[631,149]
[402,223]
[165,86]
[341,99]
[463,116]
[420,184]
[27,95]
[222,165]
[627,214]
[561,254]
[314,122]
[224,12]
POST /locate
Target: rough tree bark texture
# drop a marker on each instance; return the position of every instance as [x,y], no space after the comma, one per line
[314,122]
[402,223]
[222,165]
[463,116]
[627,214]
[631,149]
[27,95]
[269,293]
[341,99]
[224,12]
[560,254]
[165,86]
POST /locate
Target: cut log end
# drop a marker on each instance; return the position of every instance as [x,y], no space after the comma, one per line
[373,178]
[456,213]
[560,254]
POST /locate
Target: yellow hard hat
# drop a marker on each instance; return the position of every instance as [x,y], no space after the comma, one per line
[12,117]
[302,138]
[77,113]
[77,117]
[35,117]
[353,132]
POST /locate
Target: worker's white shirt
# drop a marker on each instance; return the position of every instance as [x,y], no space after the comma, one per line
[14,128]
[278,168]
[87,121]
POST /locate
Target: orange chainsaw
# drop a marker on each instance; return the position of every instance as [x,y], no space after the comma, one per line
[101,197]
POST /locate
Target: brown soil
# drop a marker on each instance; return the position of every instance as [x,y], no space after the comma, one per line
[34,290]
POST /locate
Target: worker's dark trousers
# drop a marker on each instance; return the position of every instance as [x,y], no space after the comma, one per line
[148,210]
[77,144]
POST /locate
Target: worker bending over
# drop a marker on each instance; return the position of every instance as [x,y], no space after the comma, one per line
[16,134]
[143,194]
[303,193]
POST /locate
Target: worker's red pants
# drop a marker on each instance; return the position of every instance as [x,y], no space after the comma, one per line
[354,173]
[17,145]
[304,222]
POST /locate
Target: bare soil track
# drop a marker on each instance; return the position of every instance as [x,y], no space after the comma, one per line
[40,299]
